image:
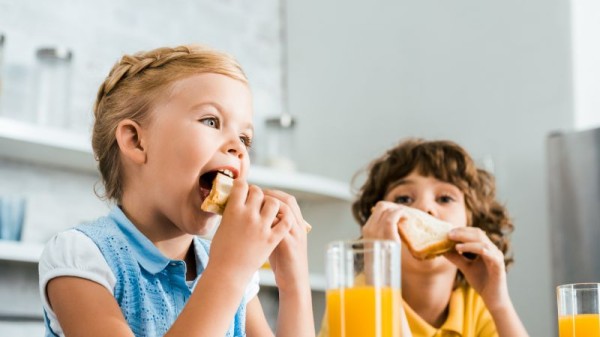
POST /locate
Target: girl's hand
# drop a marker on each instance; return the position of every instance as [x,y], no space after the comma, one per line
[249,231]
[383,222]
[486,273]
[289,260]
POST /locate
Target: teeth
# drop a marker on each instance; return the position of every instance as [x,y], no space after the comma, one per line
[227,173]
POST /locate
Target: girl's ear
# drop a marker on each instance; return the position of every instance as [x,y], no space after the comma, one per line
[129,137]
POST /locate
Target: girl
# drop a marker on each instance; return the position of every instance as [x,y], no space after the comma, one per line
[166,121]
[464,293]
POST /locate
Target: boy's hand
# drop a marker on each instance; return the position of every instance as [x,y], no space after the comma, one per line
[486,273]
[383,222]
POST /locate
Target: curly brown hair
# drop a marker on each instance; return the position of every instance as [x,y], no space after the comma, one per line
[448,162]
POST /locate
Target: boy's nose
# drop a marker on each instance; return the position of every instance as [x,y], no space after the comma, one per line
[425,206]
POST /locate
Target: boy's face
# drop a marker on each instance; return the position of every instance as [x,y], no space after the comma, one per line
[438,198]
[428,194]
[204,125]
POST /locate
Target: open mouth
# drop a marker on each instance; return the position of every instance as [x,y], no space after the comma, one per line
[206,181]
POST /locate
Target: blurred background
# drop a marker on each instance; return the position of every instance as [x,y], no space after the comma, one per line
[498,77]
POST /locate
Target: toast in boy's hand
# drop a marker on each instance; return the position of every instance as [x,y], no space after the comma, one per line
[424,235]
[219,194]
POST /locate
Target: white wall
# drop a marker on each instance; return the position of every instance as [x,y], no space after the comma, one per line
[99,32]
[585,18]
[492,75]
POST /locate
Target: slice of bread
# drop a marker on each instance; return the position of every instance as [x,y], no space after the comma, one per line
[216,200]
[424,235]
[219,194]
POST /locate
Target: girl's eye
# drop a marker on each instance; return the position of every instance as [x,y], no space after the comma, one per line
[246,140]
[445,199]
[403,199]
[212,122]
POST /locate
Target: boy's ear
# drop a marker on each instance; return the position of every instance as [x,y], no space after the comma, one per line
[129,137]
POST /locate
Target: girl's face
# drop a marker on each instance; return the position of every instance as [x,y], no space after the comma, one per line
[438,198]
[204,125]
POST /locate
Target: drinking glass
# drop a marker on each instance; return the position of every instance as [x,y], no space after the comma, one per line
[53,84]
[12,215]
[578,310]
[363,288]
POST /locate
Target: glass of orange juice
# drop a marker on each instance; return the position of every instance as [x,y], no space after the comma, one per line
[363,288]
[578,310]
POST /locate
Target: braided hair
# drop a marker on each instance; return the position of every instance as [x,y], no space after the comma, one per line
[133,87]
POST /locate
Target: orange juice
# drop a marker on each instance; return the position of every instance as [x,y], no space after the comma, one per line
[363,312]
[582,325]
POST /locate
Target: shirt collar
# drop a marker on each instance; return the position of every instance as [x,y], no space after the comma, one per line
[143,250]
[454,321]
[456,311]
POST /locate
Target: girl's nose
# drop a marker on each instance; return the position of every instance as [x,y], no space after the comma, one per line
[236,147]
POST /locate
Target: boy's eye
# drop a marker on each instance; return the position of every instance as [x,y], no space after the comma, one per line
[445,199]
[403,199]
[212,122]
[246,140]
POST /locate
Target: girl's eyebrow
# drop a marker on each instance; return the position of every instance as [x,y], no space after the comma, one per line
[249,127]
[215,105]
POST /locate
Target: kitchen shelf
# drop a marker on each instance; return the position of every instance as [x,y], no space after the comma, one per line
[301,185]
[17,251]
[68,149]
[44,145]
[267,279]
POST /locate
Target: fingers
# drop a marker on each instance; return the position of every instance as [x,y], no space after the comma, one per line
[285,221]
[286,211]
[456,258]
[468,234]
[383,222]
[255,197]
[287,199]
[381,208]
[239,192]
[478,248]
[270,209]
[278,209]
[474,241]
[291,202]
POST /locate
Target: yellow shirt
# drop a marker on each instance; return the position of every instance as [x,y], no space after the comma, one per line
[467,317]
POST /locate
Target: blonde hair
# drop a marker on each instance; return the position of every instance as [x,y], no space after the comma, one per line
[134,84]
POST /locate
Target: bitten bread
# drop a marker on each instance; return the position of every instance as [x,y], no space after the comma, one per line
[216,200]
[219,194]
[424,235]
